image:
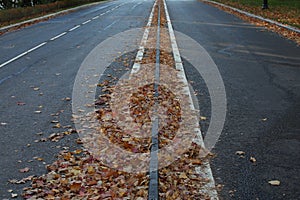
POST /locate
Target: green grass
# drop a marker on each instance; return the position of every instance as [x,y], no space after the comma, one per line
[275,3]
[283,11]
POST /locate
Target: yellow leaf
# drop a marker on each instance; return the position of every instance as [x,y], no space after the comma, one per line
[274,182]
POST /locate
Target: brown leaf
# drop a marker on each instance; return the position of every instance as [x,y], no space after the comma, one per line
[75,187]
[24,170]
[183,175]
[57,125]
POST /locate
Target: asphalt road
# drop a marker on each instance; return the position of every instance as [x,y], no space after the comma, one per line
[260,71]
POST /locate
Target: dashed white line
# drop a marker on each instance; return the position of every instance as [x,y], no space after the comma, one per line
[58,36]
[88,21]
[22,54]
[75,27]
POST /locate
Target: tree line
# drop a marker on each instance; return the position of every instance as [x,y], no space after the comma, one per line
[6,4]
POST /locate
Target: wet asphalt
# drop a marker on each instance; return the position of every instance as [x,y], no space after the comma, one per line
[260,71]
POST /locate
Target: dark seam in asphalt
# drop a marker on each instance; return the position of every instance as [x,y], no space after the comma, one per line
[153,170]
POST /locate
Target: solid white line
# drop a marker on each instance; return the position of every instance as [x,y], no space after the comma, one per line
[96,17]
[208,187]
[88,21]
[76,27]
[58,36]
[139,56]
[22,54]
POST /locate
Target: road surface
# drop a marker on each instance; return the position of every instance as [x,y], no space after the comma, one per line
[260,71]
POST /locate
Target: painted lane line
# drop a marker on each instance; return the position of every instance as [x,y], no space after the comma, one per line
[107,27]
[134,6]
[96,17]
[22,54]
[58,36]
[139,56]
[75,27]
[88,21]
[204,170]
[52,39]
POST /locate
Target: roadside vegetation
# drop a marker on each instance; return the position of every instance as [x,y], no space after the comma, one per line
[283,11]
[13,11]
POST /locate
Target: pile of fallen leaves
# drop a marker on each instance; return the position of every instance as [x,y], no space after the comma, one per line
[79,175]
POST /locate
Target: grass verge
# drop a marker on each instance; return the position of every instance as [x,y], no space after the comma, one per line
[15,15]
[283,11]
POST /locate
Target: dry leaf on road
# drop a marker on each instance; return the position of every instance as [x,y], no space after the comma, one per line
[24,170]
[274,182]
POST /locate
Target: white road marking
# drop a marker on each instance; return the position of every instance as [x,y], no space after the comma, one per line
[139,56]
[88,21]
[22,54]
[58,36]
[134,6]
[204,170]
[75,27]
[110,25]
